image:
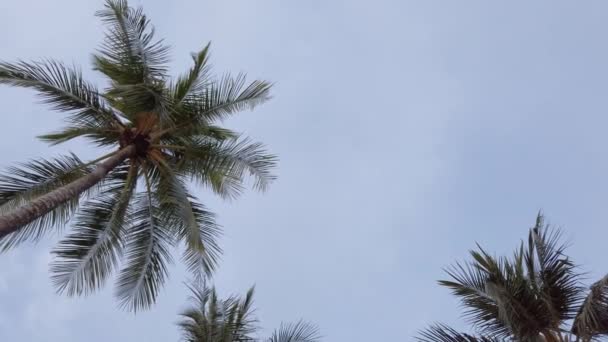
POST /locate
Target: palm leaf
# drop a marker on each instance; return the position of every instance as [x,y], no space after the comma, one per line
[195,80]
[469,284]
[147,255]
[212,319]
[296,332]
[134,61]
[61,87]
[129,54]
[100,136]
[86,257]
[223,165]
[443,333]
[223,98]
[552,273]
[592,317]
[195,225]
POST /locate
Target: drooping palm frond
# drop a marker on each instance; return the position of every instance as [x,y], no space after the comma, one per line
[147,255]
[19,185]
[61,87]
[592,317]
[195,225]
[87,256]
[443,333]
[469,284]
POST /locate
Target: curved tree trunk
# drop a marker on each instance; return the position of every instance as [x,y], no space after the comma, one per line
[40,206]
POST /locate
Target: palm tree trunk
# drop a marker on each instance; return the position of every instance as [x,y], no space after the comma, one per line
[40,206]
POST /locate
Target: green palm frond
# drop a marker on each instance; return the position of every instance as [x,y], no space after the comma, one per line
[87,256]
[497,297]
[213,319]
[129,54]
[296,332]
[99,135]
[552,273]
[147,255]
[134,61]
[199,131]
[197,78]
[140,98]
[443,333]
[61,87]
[469,284]
[18,185]
[592,317]
[244,323]
[222,98]
[223,165]
[195,225]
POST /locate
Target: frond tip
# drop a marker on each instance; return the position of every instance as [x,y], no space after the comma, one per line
[443,333]
[296,332]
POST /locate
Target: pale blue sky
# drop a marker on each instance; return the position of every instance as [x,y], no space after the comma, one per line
[407,130]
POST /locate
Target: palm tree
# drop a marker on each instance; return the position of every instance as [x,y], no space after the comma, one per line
[533,296]
[211,319]
[132,204]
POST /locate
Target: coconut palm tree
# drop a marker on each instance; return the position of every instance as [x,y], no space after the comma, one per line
[210,319]
[131,205]
[534,296]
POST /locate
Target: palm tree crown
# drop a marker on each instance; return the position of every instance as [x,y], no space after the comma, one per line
[210,319]
[532,296]
[129,207]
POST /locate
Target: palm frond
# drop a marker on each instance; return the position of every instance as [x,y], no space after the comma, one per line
[223,165]
[129,54]
[195,80]
[592,317]
[187,133]
[147,255]
[296,332]
[138,98]
[20,184]
[195,225]
[100,136]
[469,284]
[212,319]
[443,333]
[552,273]
[223,98]
[61,87]
[86,257]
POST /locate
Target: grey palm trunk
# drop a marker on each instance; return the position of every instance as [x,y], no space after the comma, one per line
[16,219]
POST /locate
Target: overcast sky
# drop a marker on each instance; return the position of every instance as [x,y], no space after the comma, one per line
[407,131]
